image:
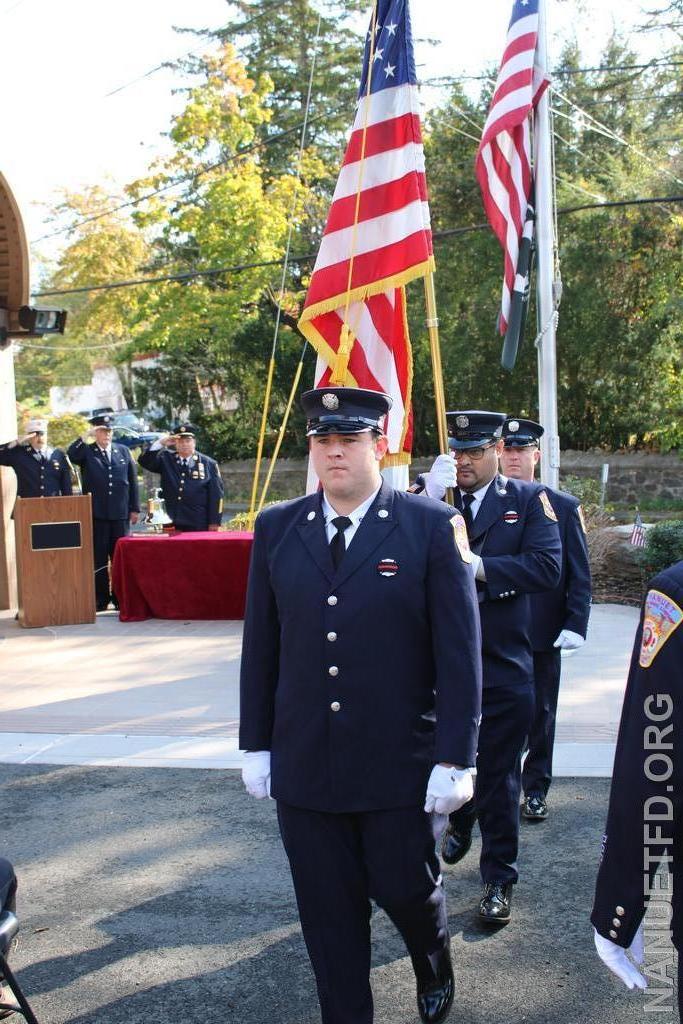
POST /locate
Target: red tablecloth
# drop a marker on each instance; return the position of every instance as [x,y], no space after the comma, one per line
[181,576]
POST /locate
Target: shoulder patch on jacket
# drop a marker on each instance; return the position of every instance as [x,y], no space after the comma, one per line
[547,507]
[579,512]
[661,618]
[461,541]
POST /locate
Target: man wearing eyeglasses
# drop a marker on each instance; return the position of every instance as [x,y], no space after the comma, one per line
[516,551]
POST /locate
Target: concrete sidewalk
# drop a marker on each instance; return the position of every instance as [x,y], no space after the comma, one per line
[165,693]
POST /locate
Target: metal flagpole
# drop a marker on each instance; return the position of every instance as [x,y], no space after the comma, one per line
[545,253]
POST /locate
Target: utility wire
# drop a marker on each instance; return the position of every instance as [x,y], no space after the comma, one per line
[308,257]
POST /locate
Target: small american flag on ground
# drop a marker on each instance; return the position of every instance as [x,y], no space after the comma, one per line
[503,162]
[638,532]
[378,234]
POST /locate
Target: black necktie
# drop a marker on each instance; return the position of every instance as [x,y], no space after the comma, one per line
[467,501]
[337,544]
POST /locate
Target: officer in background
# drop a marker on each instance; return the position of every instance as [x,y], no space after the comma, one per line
[516,551]
[559,617]
[191,482]
[110,476]
[41,471]
[360,693]
[645,817]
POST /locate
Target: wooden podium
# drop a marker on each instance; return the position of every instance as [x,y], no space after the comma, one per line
[55,569]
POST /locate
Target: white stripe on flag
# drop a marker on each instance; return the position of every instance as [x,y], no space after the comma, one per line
[369,235]
[379,169]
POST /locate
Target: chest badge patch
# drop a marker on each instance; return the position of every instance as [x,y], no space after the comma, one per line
[547,507]
[387,567]
[662,617]
[461,541]
[511,516]
[195,474]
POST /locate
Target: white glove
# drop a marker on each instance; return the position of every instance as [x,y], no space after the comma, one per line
[615,958]
[448,789]
[477,566]
[441,476]
[568,641]
[256,773]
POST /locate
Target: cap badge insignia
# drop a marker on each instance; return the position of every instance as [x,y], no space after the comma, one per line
[382,514]
[330,401]
[513,426]
[462,421]
[387,567]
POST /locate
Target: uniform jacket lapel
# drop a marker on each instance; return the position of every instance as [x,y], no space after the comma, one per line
[313,535]
[378,522]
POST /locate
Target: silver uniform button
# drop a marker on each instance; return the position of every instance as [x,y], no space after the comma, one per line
[613,934]
[382,513]
[332,599]
[331,637]
[616,922]
[335,705]
[333,670]
[310,516]
[620,911]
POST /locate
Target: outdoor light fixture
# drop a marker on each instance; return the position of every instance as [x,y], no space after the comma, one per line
[34,321]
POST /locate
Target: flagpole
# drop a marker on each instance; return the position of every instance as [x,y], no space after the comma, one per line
[432,322]
[545,253]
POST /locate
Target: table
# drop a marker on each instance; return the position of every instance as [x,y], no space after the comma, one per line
[181,575]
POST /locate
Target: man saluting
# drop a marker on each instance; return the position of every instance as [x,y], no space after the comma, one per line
[41,471]
[360,701]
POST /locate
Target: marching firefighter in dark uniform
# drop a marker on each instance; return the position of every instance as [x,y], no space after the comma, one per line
[516,551]
[645,817]
[559,617]
[41,471]
[360,698]
[191,483]
[110,476]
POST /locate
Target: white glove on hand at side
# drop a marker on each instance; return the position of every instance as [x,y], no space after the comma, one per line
[448,789]
[615,958]
[441,476]
[569,641]
[256,773]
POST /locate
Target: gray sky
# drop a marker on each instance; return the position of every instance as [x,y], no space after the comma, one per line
[65,125]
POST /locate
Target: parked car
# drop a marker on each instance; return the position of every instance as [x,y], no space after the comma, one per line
[135,438]
[130,418]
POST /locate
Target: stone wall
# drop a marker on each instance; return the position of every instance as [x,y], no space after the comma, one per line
[632,477]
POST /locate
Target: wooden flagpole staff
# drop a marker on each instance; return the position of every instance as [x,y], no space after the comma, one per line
[432,322]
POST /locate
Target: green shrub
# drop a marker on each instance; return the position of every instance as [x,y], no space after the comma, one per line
[62,430]
[663,546]
[584,488]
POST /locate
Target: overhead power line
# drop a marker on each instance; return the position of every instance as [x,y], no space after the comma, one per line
[239,268]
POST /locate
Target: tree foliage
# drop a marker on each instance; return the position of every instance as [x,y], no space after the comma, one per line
[233,192]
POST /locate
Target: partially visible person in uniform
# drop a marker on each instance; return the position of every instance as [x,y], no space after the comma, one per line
[645,818]
[191,483]
[41,471]
[110,476]
[516,551]
[8,893]
[360,699]
[559,617]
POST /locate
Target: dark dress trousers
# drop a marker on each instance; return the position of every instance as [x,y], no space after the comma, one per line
[519,543]
[8,886]
[193,493]
[358,680]
[113,486]
[566,606]
[37,476]
[645,817]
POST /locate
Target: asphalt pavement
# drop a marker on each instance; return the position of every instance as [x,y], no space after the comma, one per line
[157,895]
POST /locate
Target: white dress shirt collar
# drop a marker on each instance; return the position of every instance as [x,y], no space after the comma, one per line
[356,517]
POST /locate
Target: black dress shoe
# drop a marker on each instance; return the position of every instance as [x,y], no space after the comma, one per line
[494,906]
[535,808]
[455,844]
[435,986]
